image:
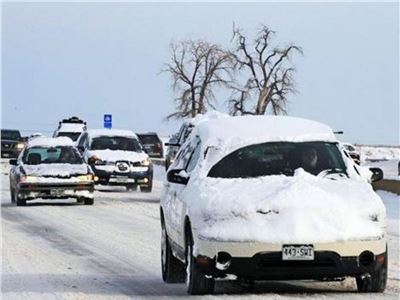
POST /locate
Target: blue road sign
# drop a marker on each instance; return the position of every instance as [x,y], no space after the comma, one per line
[108,121]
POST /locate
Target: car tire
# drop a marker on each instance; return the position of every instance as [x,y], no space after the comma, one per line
[172,269]
[146,189]
[376,282]
[19,201]
[12,195]
[89,201]
[131,188]
[196,282]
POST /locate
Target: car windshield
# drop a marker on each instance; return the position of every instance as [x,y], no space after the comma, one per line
[115,143]
[148,138]
[10,135]
[72,135]
[280,158]
[51,155]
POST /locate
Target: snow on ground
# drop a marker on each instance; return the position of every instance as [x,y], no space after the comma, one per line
[386,158]
[62,250]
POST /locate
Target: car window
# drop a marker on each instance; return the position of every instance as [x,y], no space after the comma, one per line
[50,155]
[10,135]
[279,158]
[148,138]
[194,158]
[72,135]
[115,143]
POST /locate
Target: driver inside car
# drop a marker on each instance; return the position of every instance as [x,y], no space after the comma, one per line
[309,160]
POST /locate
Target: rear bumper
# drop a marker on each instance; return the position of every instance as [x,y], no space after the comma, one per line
[30,191]
[269,265]
[262,261]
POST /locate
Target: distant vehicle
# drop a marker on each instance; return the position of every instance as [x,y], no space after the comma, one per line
[117,158]
[151,144]
[72,128]
[35,135]
[176,141]
[50,168]
[353,152]
[243,201]
[11,143]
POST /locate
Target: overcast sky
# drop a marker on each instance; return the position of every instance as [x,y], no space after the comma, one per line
[87,59]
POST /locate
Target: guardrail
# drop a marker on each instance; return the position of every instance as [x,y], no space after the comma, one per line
[387,185]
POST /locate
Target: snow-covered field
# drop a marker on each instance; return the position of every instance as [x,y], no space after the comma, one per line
[386,158]
[111,250]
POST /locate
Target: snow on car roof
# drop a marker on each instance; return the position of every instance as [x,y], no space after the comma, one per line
[253,129]
[51,142]
[111,132]
[71,127]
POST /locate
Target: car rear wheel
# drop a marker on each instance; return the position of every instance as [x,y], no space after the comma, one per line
[197,283]
[89,201]
[18,200]
[173,270]
[375,282]
[12,195]
[146,189]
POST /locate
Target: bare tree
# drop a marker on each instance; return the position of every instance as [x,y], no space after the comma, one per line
[196,69]
[268,74]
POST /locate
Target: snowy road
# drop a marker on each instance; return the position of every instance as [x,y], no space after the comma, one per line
[111,251]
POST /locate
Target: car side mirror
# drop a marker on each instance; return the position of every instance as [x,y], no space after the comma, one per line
[81,149]
[178,176]
[13,162]
[377,174]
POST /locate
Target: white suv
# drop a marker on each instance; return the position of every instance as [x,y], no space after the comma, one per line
[258,198]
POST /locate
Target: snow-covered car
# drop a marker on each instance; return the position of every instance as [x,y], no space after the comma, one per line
[117,158]
[50,168]
[178,139]
[151,144]
[353,152]
[71,127]
[258,198]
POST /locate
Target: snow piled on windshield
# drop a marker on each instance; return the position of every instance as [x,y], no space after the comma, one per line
[51,142]
[280,209]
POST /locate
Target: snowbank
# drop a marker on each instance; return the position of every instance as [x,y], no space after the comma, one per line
[280,209]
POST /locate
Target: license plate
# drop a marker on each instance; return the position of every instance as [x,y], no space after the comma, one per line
[297,252]
[122,180]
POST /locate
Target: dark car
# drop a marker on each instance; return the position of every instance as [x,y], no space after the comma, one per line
[50,168]
[176,141]
[11,143]
[117,158]
[151,144]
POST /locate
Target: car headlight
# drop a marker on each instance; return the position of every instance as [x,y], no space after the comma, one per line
[88,177]
[145,162]
[28,179]
[20,146]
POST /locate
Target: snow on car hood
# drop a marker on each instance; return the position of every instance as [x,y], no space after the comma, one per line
[115,155]
[56,170]
[280,209]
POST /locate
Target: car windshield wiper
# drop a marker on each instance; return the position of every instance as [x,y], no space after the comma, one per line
[332,171]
